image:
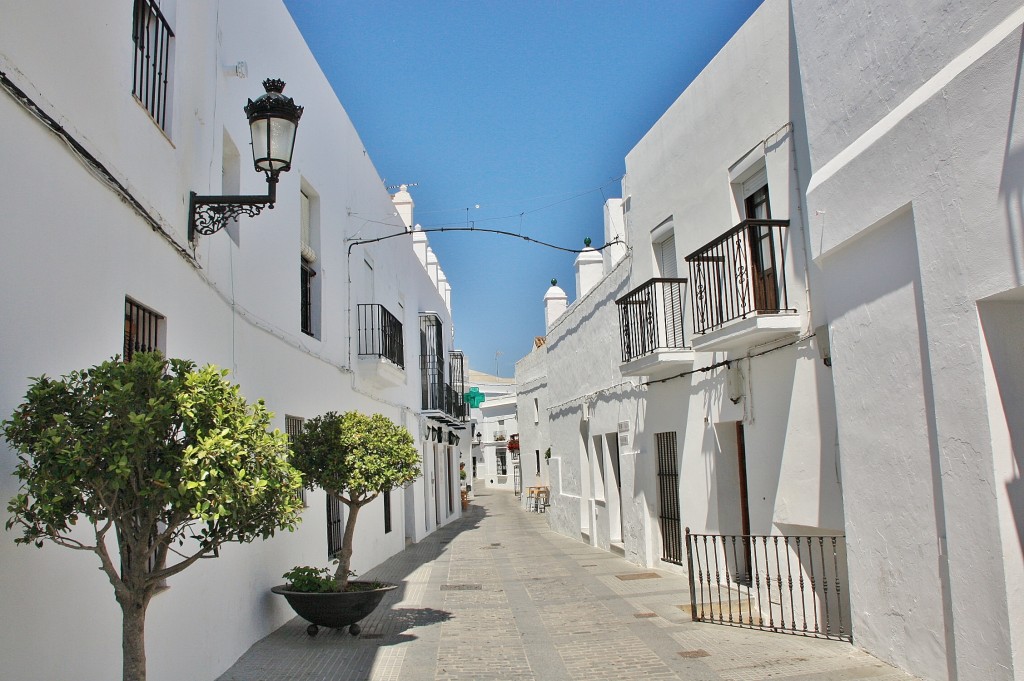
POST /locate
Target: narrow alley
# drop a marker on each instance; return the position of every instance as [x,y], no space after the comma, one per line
[498,595]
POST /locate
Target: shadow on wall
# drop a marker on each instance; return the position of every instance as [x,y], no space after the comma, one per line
[1011,185]
[1003,326]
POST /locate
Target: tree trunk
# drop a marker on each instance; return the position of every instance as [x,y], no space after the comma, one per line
[345,557]
[133,639]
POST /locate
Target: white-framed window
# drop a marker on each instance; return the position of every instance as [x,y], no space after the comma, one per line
[309,267]
[663,243]
[501,461]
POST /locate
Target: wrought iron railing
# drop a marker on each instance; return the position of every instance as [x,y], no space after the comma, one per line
[740,273]
[790,584]
[152,65]
[335,526]
[380,334]
[651,317]
[141,329]
[306,274]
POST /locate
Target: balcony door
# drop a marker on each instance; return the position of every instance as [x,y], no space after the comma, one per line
[762,251]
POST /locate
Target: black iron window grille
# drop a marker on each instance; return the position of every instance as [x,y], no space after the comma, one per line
[380,334]
[432,363]
[152,36]
[306,301]
[335,525]
[743,272]
[457,375]
[790,584]
[142,329]
[387,511]
[651,317]
[292,428]
[668,498]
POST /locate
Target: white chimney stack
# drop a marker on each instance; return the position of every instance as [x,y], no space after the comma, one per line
[404,204]
[555,302]
[589,269]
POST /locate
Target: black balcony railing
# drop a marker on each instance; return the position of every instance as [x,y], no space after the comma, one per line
[786,584]
[742,272]
[457,372]
[651,317]
[380,334]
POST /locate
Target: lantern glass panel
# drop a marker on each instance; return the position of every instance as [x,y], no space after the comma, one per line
[272,143]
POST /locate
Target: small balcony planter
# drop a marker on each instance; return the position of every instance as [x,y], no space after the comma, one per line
[335,609]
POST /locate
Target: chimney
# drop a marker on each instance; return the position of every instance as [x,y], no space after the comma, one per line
[589,269]
[555,302]
[404,205]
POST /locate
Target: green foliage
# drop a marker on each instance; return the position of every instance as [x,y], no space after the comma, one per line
[165,452]
[355,456]
[311,580]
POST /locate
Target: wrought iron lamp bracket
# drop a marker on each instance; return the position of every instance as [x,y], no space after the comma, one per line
[209,214]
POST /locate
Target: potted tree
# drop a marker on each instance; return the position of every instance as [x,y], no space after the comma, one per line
[354,457]
[153,454]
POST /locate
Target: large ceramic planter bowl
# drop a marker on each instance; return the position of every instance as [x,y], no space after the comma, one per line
[333,610]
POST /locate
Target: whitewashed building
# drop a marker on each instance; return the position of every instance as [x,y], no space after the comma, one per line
[112,114]
[819,320]
[685,385]
[915,178]
[495,459]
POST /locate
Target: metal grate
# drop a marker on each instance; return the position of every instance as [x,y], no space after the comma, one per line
[380,334]
[306,287]
[668,499]
[432,363]
[742,272]
[292,428]
[335,531]
[651,318]
[142,329]
[790,584]
[152,36]
[387,511]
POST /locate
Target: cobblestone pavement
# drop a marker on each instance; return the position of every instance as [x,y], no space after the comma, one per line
[497,595]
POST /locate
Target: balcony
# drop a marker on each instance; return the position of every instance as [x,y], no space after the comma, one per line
[381,345]
[739,295]
[651,320]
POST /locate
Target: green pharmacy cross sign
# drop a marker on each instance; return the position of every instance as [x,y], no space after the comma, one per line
[474,398]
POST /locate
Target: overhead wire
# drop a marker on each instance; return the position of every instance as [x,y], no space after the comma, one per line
[361,242]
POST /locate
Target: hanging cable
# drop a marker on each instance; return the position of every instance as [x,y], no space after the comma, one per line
[360,242]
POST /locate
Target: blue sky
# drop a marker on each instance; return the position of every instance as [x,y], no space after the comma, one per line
[525,109]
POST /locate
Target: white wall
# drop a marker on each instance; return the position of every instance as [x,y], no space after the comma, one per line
[915,205]
[74,249]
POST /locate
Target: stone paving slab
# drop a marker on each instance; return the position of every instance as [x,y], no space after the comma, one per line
[498,595]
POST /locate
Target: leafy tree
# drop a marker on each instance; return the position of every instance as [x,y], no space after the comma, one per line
[168,456]
[355,457]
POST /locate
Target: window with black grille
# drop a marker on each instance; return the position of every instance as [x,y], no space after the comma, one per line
[335,526]
[153,40]
[143,329]
[292,428]
[668,498]
[306,283]
[387,511]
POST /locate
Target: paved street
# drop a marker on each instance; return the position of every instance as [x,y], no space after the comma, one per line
[497,595]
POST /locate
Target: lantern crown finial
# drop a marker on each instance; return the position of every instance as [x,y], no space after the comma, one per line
[273,85]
